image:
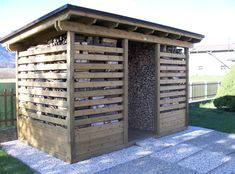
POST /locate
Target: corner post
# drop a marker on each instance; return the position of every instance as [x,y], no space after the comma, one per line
[17,95]
[186,52]
[157,89]
[70,95]
[125,88]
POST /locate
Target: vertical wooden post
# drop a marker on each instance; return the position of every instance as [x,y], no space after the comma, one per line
[70,93]
[125,88]
[12,107]
[17,94]
[5,106]
[157,89]
[186,52]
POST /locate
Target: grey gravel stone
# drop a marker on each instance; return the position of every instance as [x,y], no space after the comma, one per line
[176,153]
[152,144]
[204,161]
[147,165]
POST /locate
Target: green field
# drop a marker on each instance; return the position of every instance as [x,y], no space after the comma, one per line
[196,78]
[206,115]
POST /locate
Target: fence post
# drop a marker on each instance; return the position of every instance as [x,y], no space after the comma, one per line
[205,90]
[190,91]
[12,107]
[5,105]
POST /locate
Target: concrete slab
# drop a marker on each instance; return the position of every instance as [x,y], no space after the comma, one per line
[152,144]
[204,161]
[176,153]
[147,165]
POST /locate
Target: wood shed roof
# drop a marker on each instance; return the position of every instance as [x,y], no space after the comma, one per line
[98,18]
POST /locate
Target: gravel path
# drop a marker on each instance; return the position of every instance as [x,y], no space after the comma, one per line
[195,150]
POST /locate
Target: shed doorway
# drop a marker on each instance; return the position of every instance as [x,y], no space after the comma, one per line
[141,89]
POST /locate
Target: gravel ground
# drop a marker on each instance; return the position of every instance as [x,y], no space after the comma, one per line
[195,150]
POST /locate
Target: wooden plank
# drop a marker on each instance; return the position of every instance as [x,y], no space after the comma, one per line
[174,100]
[42,117]
[98,75]
[98,119]
[43,84]
[98,101]
[70,92]
[172,55]
[46,67]
[46,50]
[172,113]
[94,48]
[172,68]
[116,33]
[88,66]
[172,62]
[43,92]
[98,57]
[43,109]
[186,50]
[16,94]
[176,117]
[12,107]
[98,93]
[166,74]
[173,94]
[42,76]
[5,107]
[125,90]
[44,58]
[172,87]
[60,103]
[172,106]
[172,81]
[98,84]
[84,112]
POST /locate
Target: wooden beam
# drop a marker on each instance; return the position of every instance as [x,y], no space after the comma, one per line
[125,89]
[116,33]
[157,89]
[70,92]
[186,52]
[174,36]
[107,24]
[132,28]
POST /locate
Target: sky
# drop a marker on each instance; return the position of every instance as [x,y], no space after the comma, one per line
[213,18]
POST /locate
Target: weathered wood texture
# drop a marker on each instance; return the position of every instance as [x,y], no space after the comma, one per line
[172,81]
[42,99]
[99,97]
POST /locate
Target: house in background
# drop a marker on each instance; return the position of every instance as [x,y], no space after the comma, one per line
[213,60]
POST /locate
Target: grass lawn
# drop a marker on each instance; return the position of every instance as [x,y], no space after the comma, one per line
[207,116]
[10,165]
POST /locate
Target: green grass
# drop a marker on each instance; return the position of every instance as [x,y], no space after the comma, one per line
[204,78]
[10,165]
[207,116]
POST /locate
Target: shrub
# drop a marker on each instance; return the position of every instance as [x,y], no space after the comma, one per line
[225,97]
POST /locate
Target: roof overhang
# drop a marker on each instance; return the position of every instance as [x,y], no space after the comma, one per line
[51,23]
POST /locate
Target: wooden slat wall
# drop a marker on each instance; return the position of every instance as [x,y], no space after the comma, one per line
[42,99]
[172,101]
[99,99]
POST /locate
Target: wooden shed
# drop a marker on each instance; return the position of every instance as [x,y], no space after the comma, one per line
[89,82]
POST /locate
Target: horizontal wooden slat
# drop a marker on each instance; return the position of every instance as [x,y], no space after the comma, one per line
[172,55]
[97,119]
[43,92]
[172,81]
[42,76]
[165,74]
[172,94]
[174,106]
[98,93]
[98,101]
[98,75]
[38,59]
[60,103]
[172,62]
[176,117]
[174,100]
[172,113]
[173,87]
[42,67]
[43,109]
[42,117]
[97,111]
[43,50]
[173,68]
[43,84]
[82,66]
[98,84]
[97,48]
[97,57]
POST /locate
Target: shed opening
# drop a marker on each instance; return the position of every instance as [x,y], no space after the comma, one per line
[141,89]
